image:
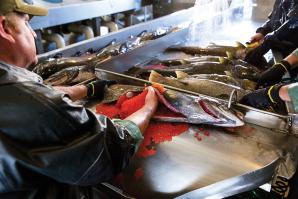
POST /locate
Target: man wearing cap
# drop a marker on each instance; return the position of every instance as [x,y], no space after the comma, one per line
[50,147]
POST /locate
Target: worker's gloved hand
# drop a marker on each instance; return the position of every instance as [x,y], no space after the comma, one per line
[255,57]
[263,98]
[274,74]
[96,88]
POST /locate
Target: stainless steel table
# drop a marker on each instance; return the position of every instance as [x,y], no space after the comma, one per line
[223,163]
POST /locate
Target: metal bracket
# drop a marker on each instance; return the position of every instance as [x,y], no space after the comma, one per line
[233,93]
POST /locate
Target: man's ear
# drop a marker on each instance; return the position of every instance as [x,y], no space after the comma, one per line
[5,30]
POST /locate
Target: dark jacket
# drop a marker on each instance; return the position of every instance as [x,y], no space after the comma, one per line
[283,25]
[50,147]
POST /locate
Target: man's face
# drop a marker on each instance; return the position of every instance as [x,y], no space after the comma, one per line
[24,38]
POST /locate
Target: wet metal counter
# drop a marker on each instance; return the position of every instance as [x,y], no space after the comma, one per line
[223,163]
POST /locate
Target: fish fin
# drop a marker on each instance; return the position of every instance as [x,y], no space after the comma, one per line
[229,55]
[155,76]
[228,73]
[223,60]
[239,44]
[181,74]
[248,84]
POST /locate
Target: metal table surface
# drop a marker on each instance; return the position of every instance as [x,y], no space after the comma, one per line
[223,163]
[77,10]
[220,165]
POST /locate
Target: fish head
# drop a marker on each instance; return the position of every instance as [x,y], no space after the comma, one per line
[171,96]
[233,117]
[227,117]
[241,50]
[249,85]
[114,91]
[244,72]
[123,48]
[240,53]
[62,77]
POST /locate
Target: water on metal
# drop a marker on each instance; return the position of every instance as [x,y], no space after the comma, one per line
[202,30]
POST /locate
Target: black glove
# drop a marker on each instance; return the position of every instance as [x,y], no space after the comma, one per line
[255,57]
[263,98]
[96,88]
[274,74]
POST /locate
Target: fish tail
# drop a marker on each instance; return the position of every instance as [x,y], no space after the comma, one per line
[181,74]
[230,55]
[155,77]
[239,44]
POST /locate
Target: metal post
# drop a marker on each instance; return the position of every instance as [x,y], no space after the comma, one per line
[96,26]
[128,18]
[38,42]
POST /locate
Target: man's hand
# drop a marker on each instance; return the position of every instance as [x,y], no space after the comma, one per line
[151,99]
[274,74]
[96,88]
[263,98]
[142,117]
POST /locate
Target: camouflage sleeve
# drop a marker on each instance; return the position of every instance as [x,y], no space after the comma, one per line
[53,138]
[293,94]
[132,129]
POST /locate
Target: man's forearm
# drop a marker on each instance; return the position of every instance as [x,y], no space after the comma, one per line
[74,92]
[142,117]
[292,58]
[283,93]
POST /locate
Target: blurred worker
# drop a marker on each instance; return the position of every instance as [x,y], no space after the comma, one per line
[50,147]
[280,33]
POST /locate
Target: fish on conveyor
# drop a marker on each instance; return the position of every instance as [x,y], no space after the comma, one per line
[113,92]
[71,75]
[160,32]
[53,65]
[202,86]
[131,43]
[200,110]
[243,83]
[175,62]
[238,62]
[200,68]
[238,51]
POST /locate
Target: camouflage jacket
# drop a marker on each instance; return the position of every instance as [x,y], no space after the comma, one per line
[52,148]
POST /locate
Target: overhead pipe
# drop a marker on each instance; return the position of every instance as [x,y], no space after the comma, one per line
[56,38]
[81,29]
[111,25]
